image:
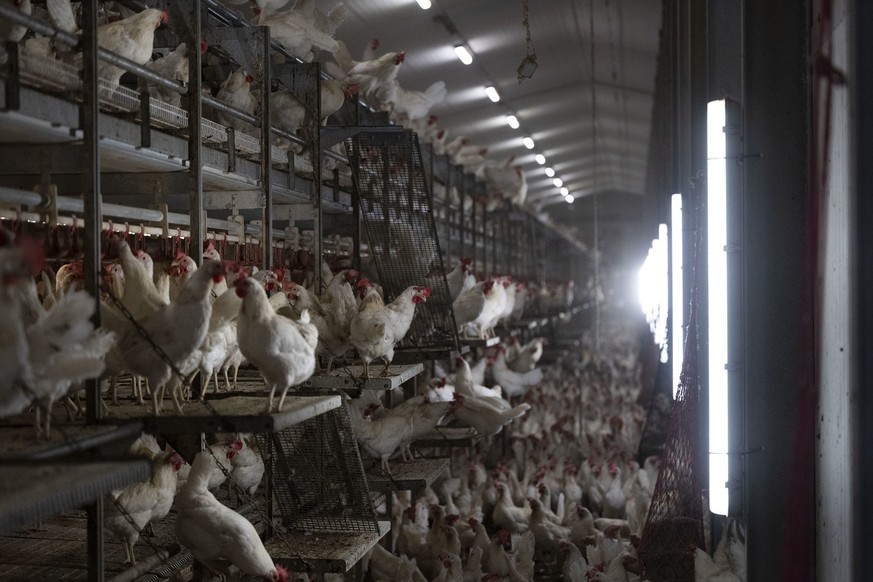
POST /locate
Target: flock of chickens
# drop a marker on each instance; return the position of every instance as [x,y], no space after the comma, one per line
[569,496]
[304,29]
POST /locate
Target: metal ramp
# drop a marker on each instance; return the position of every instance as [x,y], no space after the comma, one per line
[397,212]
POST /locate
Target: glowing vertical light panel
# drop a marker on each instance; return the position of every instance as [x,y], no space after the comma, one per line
[716,211]
[678,308]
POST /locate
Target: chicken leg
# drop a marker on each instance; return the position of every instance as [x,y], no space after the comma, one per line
[386,368]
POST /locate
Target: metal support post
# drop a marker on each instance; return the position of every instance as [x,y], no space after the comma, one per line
[265,73]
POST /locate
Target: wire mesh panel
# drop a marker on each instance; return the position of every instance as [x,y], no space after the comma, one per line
[318,480]
[675,520]
[396,210]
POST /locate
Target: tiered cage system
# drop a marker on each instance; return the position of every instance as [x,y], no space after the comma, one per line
[84,159]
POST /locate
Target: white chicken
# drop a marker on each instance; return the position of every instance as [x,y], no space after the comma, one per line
[288,113]
[485,417]
[178,329]
[283,350]
[333,341]
[546,533]
[132,38]
[381,437]
[377,327]
[513,383]
[42,352]
[456,277]
[372,76]
[409,105]
[296,32]
[173,66]
[135,506]
[216,535]
[470,303]
[247,464]
[63,348]
[236,91]
[334,93]
[526,357]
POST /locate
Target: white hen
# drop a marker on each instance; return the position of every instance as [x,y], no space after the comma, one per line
[283,350]
[216,535]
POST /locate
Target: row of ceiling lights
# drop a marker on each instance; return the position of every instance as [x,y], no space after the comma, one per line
[465,55]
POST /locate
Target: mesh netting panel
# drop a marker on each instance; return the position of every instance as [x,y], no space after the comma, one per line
[675,520]
[318,480]
[396,211]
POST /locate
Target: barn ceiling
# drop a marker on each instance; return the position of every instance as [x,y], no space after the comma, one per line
[588,105]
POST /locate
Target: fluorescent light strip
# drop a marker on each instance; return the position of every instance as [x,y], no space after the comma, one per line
[549,172]
[528,143]
[540,159]
[678,308]
[565,192]
[464,54]
[512,121]
[425,4]
[569,199]
[492,94]
[558,182]
[716,228]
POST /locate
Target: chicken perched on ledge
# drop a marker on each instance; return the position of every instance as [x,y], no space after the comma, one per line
[178,329]
[377,327]
[283,350]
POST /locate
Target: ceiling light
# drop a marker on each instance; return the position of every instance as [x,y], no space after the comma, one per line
[512,121]
[558,182]
[528,143]
[569,199]
[565,191]
[550,172]
[425,4]
[540,158]
[492,94]
[464,54]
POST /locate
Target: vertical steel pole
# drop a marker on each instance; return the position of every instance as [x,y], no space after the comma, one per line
[93,223]
[195,115]
[266,157]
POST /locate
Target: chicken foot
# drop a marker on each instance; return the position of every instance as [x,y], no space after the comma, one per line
[386,368]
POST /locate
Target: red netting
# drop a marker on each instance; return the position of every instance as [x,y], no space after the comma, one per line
[674,524]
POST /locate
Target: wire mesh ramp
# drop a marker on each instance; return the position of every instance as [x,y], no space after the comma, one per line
[327,521]
[396,210]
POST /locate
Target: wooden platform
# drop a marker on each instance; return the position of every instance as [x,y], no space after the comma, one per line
[350,378]
[323,552]
[233,413]
[20,442]
[448,437]
[411,476]
[30,492]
